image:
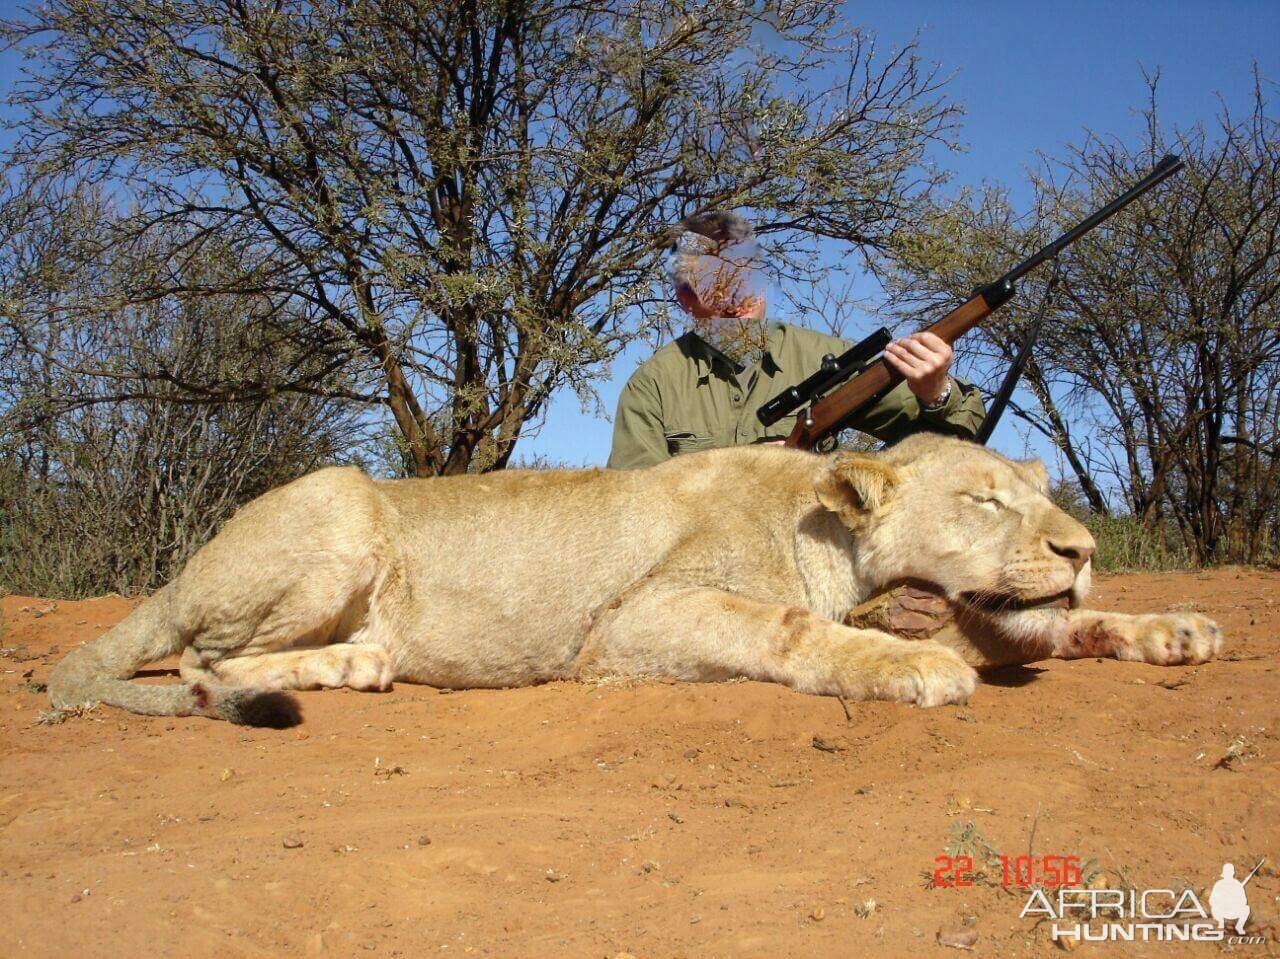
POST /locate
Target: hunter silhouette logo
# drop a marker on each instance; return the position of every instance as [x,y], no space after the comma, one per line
[1228,900]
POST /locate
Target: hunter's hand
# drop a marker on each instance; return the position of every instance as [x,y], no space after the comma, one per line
[924,360]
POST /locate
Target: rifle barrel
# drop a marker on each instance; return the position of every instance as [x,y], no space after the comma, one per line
[1255,869]
[1160,172]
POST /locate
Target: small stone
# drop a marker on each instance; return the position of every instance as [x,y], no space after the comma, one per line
[960,939]
[690,754]
[694,920]
[292,842]
[226,774]
[863,790]
[424,840]
[552,876]
[674,816]
[825,745]
[818,914]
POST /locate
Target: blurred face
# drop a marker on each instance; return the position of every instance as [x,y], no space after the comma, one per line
[719,285]
[748,306]
[716,279]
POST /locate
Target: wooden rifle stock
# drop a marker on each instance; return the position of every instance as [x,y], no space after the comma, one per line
[825,416]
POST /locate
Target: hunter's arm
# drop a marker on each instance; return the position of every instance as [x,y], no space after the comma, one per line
[638,437]
[899,414]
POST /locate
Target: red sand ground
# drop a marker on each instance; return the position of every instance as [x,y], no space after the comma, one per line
[655,819]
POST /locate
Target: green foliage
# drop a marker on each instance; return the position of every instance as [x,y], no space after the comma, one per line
[968,840]
[118,498]
[1124,544]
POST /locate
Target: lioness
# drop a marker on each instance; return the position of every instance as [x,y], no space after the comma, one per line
[728,563]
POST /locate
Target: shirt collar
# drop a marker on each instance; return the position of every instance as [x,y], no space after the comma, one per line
[708,353]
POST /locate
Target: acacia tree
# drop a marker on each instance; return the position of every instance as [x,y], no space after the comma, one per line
[1174,327]
[466,200]
[1158,371]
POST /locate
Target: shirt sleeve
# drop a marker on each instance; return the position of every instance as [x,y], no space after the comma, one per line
[899,414]
[638,438]
[961,415]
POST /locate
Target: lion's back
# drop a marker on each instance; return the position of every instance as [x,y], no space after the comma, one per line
[549,546]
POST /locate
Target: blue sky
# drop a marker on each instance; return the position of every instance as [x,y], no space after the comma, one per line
[1032,77]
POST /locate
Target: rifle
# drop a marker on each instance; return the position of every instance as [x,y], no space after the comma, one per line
[1255,869]
[859,377]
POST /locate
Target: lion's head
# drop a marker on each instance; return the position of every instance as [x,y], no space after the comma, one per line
[977,525]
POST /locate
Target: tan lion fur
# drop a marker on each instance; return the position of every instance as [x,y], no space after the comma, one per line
[729,563]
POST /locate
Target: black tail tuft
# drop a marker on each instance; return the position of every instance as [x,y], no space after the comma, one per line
[254,707]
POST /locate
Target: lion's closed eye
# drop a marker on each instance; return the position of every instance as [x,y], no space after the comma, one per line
[992,503]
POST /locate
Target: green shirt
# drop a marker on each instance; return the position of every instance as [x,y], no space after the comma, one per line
[689,396]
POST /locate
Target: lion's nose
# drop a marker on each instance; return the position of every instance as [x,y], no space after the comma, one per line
[1077,553]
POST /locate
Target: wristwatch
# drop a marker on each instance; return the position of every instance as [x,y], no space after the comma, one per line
[940,402]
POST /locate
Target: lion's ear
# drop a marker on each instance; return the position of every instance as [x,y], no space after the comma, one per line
[857,484]
[1039,473]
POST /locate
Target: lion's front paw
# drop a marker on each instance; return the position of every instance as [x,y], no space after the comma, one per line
[924,673]
[1171,639]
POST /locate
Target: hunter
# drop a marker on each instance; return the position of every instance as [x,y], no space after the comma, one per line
[702,390]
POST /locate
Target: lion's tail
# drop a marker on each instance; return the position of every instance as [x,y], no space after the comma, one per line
[98,672]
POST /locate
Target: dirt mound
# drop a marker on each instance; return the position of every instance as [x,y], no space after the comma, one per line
[654,819]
